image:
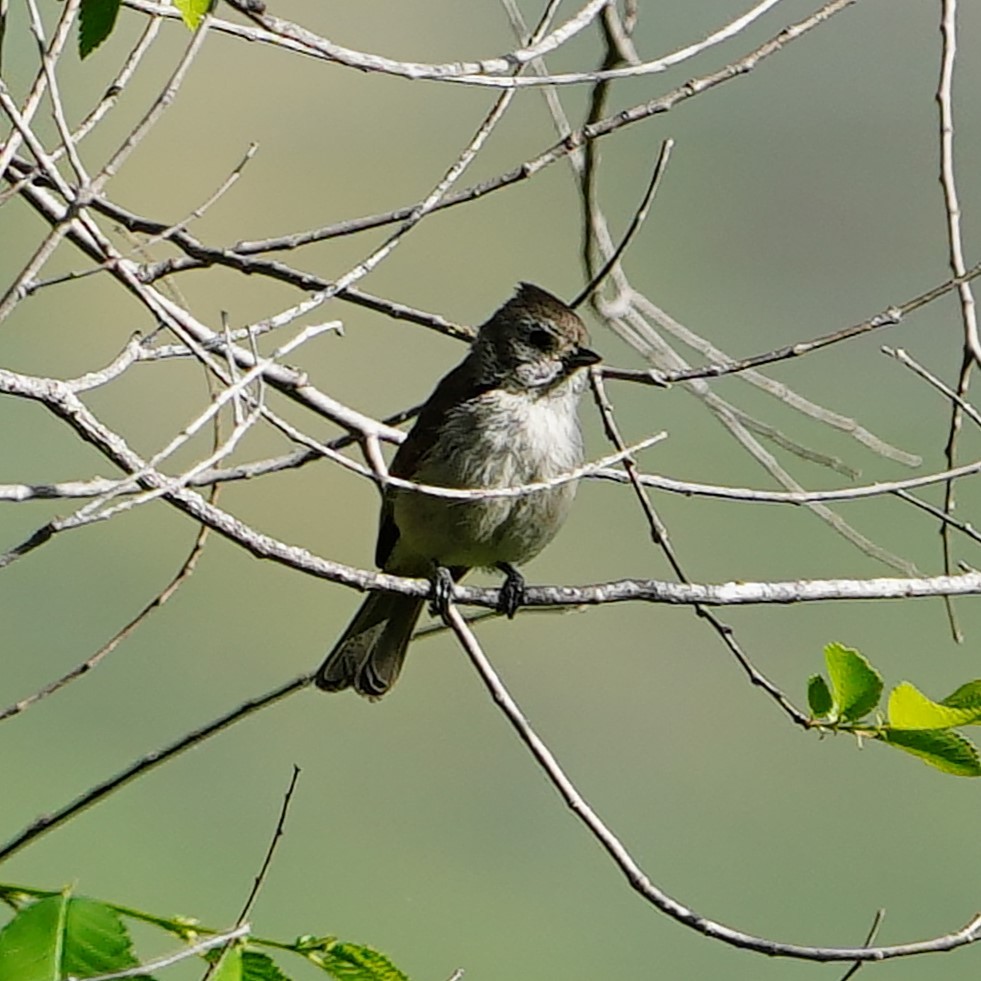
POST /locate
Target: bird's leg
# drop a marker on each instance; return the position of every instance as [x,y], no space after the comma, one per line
[512,590]
[442,583]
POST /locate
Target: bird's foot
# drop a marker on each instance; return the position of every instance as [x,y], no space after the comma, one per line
[442,583]
[512,590]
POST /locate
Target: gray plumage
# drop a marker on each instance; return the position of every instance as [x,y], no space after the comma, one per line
[505,416]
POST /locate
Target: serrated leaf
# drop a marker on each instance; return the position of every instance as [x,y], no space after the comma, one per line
[26,951]
[855,685]
[192,11]
[61,936]
[909,708]
[257,966]
[96,19]
[354,962]
[946,750]
[818,696]
[968,696]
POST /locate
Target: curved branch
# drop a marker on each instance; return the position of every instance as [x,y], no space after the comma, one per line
[636,876]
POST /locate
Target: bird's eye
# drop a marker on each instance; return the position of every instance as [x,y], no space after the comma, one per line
[539,337]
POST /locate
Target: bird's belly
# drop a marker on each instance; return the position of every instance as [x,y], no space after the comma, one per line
[535,444]
[482,532]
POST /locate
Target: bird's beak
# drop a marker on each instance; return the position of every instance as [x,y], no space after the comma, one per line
[582,357]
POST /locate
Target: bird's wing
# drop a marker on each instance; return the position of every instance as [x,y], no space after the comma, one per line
[455,388]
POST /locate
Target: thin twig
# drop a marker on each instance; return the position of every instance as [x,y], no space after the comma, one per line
[263,869]
[635,224]
[188,566]
[570,143]
[972,344]
[186,570]
[776,389]
[948,29]
[955,398]
[869,937]
[497,72]
[636,876]
[48,822]
[271,850]
[212,198]
[659,536]
[196,949]
[941,515]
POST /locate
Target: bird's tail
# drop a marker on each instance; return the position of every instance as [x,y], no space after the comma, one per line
[369,655]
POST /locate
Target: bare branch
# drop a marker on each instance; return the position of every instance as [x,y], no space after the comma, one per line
[186,570]
[636,876]
[48,822]
[195,949]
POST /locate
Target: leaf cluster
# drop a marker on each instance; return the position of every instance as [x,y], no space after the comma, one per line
[848,699]
[57,935]
[97,18]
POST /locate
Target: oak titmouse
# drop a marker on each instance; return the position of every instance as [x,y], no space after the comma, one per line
[505,416]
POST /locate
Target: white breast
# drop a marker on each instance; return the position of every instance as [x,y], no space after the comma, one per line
[500,439]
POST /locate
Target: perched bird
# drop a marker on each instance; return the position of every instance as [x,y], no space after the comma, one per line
[505,416]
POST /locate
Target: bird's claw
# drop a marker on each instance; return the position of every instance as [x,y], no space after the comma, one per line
[512,593]
[442,583]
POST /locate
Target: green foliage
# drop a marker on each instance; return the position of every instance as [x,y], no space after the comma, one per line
[96,19]
[55,935]
[967,696]
[350,962]
[943,748]
[915,723]
[230,967]
[192,11]
[855,685]
[819,696]
[909,708]
[61,936]
[257,966]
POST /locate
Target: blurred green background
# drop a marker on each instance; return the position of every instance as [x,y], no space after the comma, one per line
[799,199]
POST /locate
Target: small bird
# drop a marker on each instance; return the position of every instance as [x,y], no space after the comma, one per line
[505,416]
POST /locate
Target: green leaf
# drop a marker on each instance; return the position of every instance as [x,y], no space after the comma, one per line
[818,696]
[26,951]
[349,962]
[61,936]
[192,11]
[909,708]
[257,966]
[968,696]
[96,21]
[15,897]
[230,966]
[946,750]
[855,685]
